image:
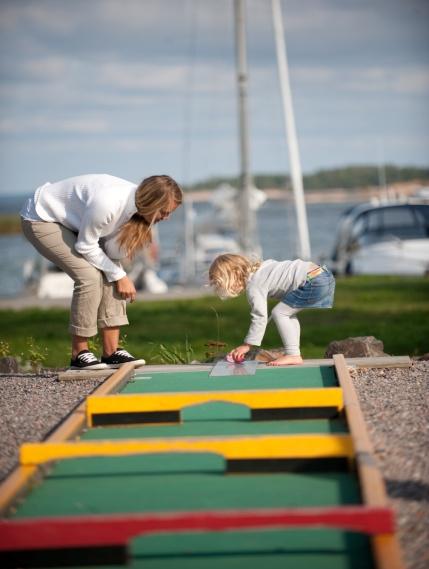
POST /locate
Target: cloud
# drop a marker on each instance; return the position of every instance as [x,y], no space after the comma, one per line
[413,81]
[114,79]
[141,76]
[166,77]
[42,69]
[47,16]
[371,79]
[43,124]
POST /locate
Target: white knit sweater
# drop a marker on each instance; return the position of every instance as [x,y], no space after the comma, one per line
[95,206]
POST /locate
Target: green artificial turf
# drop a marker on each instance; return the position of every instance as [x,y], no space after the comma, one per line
[158,491]
[280,378]
[134,489]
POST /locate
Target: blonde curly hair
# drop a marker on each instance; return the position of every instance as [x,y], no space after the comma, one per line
[228,274]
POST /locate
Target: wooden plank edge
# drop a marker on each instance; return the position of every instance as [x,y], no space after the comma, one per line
[386,549]
[380,361]
[73,375]
[376,361]
[231,447]
[178,401]
[118,529]
[17,481]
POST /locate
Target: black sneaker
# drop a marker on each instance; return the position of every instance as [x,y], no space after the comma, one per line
[119,357]
[86,360]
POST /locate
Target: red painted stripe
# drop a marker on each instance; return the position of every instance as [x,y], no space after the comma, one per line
[102,530]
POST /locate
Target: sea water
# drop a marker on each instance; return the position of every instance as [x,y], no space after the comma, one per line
[277,232]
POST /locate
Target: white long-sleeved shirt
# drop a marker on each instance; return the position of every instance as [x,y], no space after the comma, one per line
[273,279]
[95,206]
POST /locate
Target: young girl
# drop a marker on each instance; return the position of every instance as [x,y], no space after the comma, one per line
[297,284]
[69,221]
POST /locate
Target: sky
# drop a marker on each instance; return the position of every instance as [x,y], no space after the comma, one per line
[141,87]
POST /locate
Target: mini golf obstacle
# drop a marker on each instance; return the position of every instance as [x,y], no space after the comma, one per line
[165,468]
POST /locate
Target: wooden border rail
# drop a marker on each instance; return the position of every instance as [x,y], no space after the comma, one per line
[386,548]
[372,362]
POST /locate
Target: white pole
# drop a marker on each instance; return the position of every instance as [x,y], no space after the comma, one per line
[247,221]
[189,275]
[295,164]
[382,185]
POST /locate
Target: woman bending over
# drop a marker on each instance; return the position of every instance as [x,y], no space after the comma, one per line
[69,221]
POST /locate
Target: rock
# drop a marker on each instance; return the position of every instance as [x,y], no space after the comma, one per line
[9,364]
[358,347]
[264,356]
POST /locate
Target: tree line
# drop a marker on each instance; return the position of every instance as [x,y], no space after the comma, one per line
[346,177]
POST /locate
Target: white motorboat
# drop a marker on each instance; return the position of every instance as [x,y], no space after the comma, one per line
[384,238]
[210,245]
[47,281]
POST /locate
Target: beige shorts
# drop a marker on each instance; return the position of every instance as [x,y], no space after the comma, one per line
[95,303]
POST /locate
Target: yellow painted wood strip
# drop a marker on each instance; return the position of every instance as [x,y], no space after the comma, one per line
[256,399]
[238,447]
[387,551]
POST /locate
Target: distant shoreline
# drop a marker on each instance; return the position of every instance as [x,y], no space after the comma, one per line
[334,195]
[321,195]
[10,223]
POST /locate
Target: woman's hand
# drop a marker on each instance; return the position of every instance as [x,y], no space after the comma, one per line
[237,354]
[126,288]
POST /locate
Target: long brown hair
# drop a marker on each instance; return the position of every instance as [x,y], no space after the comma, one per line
[153,195]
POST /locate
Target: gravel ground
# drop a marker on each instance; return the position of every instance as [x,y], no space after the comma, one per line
[31,406]
[394,402]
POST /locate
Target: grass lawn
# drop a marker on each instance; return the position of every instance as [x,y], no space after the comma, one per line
[10,224]
[393,309]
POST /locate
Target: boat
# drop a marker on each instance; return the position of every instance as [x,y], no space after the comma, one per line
[210,245]
[231,225]
[47,281]
[216,232]
[383,238]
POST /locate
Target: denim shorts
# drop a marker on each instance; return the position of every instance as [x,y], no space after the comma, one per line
[314,293]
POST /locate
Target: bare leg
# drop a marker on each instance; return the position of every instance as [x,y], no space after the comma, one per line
[289,329]
[79,343]
[110,338]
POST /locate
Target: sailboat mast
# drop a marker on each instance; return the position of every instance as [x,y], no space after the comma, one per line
[292,140]
[246,217]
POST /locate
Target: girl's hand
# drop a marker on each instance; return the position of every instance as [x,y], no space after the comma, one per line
[238,353]
[126,288]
